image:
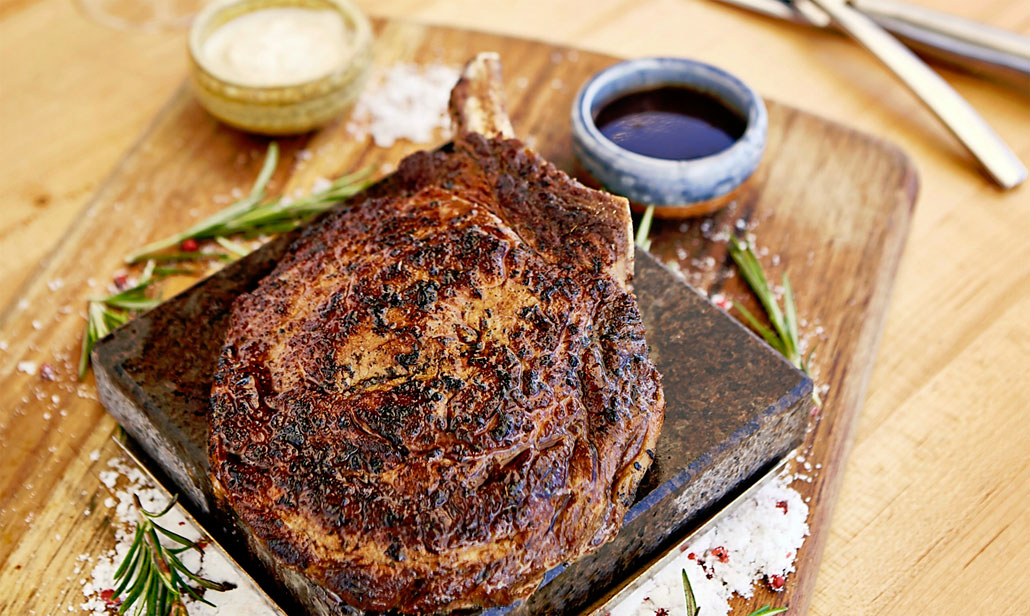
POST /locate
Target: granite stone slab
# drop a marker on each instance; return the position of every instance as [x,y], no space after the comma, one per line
[733,406]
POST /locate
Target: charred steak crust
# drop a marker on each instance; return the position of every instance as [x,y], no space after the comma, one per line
[443,390]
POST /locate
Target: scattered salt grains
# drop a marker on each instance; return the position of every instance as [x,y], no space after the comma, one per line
[28,367]
[124,480]
[321,184]
[404,101]
[55,284]
[757,540]
[94,455]
[720,237]
[3,345]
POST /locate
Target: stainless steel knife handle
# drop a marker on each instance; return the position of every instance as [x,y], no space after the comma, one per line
[957,115]
[981,35]
[958,42]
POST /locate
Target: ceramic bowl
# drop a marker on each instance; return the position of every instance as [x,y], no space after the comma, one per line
[287,109]
[677,188]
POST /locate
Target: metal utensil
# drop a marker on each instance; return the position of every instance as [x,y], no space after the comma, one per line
[959,43]
[957,115]
[1010,44]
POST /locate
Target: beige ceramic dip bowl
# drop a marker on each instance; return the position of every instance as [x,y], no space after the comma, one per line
[287,108]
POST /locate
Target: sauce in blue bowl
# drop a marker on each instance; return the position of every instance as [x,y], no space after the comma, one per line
[670,132]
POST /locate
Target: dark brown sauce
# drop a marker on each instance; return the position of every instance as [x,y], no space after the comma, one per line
[671,122]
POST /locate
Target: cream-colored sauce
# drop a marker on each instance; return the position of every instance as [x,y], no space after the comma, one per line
[277,46]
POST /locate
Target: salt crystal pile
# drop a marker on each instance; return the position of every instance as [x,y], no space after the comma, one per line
[405,101]
[757,542]
[124,480]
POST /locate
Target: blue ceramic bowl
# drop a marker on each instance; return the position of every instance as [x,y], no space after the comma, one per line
[675,187]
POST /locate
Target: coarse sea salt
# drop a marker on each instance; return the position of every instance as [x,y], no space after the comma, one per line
[759,539]
[124,480]
[28,367]
[405,101]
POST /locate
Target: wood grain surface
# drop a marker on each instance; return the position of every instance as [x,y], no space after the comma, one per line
[829,204]
[935,489]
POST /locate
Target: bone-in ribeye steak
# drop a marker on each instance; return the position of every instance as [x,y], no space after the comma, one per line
[443,390]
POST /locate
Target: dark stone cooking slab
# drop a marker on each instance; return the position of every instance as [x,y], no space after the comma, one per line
[734,405]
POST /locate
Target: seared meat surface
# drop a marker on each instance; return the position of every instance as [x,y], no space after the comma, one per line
[443,390]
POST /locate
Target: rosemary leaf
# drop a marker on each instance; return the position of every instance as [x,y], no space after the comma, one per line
[234,248]
[784,329]
[257,192]
[765,610]
[180,256]
[175,271]
[251,216]
[791,318]
[105,314]
[151,570]
[176,537]
[688,595]
[784,335]
[203,228]
[644,228]
[744,256]
[767,334]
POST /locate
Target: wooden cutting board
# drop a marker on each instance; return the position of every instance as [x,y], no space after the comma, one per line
[829,204]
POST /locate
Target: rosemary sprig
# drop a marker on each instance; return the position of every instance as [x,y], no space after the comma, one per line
[250,216]
[104,314]
[253,215]
[765,610]
[783,336]
[152,577]
[644,229]
[688,595]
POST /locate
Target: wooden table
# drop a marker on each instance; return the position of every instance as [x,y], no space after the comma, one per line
[932,515]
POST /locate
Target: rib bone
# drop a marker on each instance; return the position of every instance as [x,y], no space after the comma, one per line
[477,101]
